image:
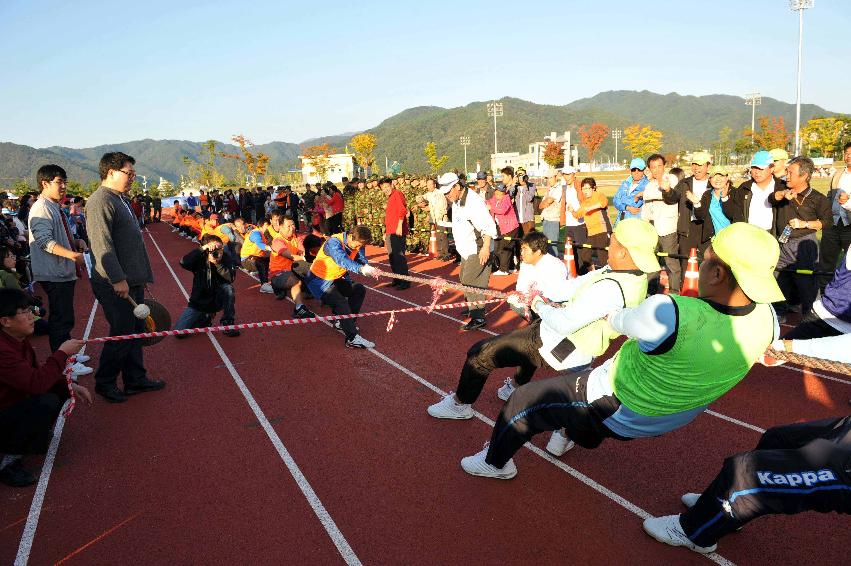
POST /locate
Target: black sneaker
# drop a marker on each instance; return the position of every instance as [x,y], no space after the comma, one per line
[303,312]
[142,386]
[15,475]
[474,324]
[233,333]
[111,394]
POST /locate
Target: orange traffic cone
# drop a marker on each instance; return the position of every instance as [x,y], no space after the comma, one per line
[569,260]
[432,242]
[690,276]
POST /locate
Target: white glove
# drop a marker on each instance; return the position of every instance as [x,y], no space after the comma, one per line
[515,300]
[369,271]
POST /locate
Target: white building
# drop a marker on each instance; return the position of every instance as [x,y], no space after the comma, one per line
[532,161]
[339,165]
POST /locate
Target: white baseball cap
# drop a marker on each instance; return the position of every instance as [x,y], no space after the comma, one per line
[447,181]
[568,169]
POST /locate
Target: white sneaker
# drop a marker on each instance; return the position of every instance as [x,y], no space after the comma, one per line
[83,358]
[690,499]
[559,444]
[80,369]
[506,390]
[500,272]
[476,465]
[266,288]
[447,408]
[668,530]
[359,342]
[337,326]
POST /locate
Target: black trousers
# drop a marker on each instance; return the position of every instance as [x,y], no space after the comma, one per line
[344,297]
[335,223]
[504,249]
[547,405]
[442,234]
[798,253]
[124,356]
[258,264]
[579,235]
[518,348]
[811,327]
[834,241]
[60,311]
[794,468]
[692,240]
[398,261]
[27,426]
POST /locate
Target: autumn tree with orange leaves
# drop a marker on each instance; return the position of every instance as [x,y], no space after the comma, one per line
[256,164]
[771,134]
[319,158]
[592,137]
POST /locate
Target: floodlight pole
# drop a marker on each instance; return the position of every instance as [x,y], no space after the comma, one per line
[753,99]
[616,135]
[495,110]
[799,6]
[465,141]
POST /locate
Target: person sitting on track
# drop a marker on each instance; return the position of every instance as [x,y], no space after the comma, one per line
[794,468]
[255,252]
[212,286]
[30,395]
[286,249]
[566,338]
[177,216]
[682,354]
[329,279]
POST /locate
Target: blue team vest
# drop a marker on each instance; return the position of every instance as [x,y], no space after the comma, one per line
[837,294]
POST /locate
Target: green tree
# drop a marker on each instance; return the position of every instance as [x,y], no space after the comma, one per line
[364,148]
[436,163]
[724,145]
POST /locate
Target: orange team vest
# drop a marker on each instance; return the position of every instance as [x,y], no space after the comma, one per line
[324,267]
[198,226]
[218,232]
[178,218]
[249,248]
[277,262]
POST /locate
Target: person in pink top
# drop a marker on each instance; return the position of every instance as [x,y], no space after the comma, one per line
[503,213]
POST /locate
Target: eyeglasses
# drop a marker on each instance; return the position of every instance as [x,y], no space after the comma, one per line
[130,174]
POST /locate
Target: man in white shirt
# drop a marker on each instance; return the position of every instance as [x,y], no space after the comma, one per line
[567,336]
[749,202]
[664,218]
[692,231]
[435,203]
[474,229]
[550,211]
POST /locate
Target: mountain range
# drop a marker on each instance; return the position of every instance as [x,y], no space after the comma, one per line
[688,122]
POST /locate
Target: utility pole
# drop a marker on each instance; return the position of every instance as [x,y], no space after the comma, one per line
[753,99]
[616,135]
[465,141]
[495,110]
[799,6]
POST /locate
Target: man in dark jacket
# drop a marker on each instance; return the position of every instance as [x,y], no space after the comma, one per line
[120,270]
[749,202]
[805,211]
[212,286]
[693,232]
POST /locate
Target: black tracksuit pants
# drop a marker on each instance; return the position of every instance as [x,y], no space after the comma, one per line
[27,426]
[345,297]
[518,348]
[794,468]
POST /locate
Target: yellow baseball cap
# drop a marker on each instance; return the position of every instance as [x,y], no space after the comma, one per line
[717,170]
[640,239]
[752,254]
[778,153]
[701,158]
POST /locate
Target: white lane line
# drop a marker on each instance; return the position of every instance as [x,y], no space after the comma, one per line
[623,502]
[322,514]
[784,366]
[735,421]
[28,536]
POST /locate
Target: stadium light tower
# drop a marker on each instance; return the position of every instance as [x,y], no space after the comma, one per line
[465,141]
[616,135]
[799,6]
[495,110]
[753,99]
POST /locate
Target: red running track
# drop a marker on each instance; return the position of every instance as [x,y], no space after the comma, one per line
[189,475]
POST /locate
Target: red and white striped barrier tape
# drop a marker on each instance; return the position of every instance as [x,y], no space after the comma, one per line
[68,372]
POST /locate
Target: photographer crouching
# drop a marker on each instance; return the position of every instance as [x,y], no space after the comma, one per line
[212,286]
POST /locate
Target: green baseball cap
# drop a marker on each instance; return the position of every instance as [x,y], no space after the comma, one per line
[717,170]
[701,158]
[752,254]
[640,239]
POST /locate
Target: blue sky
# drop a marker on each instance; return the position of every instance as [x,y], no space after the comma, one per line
[86,73]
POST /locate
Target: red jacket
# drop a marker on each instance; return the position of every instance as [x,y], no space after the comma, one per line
[397,209]
[20,374]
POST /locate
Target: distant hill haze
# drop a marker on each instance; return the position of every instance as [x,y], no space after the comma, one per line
[688,122]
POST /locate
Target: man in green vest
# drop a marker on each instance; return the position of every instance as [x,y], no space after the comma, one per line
[567,336]
[682,354]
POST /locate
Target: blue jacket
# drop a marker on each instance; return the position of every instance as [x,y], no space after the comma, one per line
[624,197]
[339,252]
